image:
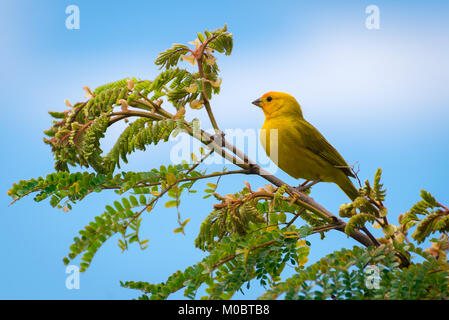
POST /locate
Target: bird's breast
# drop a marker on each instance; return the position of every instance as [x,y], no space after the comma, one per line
[286,147]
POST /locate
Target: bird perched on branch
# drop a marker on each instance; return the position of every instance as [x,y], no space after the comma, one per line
[298,148]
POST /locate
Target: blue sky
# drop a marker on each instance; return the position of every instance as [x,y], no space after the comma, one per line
[379,96]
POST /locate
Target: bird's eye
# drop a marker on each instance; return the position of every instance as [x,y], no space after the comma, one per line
[269,99]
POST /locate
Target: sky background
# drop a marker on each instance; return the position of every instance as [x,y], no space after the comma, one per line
[379,96]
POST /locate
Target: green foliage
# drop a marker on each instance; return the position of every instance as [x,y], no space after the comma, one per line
[246,211]
[228,220]
[348,274]
[247,237]
[63,188]
[368,207]
[234,261]
[358,221]
[75,137]
[436,217]
[376,192]
[170,57]
[137,136]
[62,185]
[120,84]
[121,217]
[222,40]
[250,236]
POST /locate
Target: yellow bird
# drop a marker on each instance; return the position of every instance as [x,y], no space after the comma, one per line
[302,151]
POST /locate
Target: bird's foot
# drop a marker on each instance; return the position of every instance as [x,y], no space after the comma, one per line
[307,185]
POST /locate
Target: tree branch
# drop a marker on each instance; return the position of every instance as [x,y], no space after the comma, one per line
[212,175]
[219,144]
[198,54]
[302,199]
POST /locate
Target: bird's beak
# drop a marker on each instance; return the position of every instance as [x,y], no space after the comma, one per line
[257,102]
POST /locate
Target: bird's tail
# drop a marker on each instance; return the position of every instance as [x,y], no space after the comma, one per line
[348,187]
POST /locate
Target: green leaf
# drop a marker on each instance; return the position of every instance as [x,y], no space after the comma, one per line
[118,206]
[110,209]
[133,200]
[429,198]
[273,218]
[282,217]
[126,203]
[185,223]
[171,203]
[200,37]
[178,230]
[143,199]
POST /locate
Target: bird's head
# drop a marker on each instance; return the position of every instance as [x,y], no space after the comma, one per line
[278,103]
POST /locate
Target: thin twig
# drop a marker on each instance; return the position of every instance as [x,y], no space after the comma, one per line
[212,175]
[199,162]
[199,59]
[295,217]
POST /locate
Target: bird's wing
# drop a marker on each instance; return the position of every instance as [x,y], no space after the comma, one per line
[316,143]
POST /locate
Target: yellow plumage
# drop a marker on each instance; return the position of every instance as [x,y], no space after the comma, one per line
[302,151]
